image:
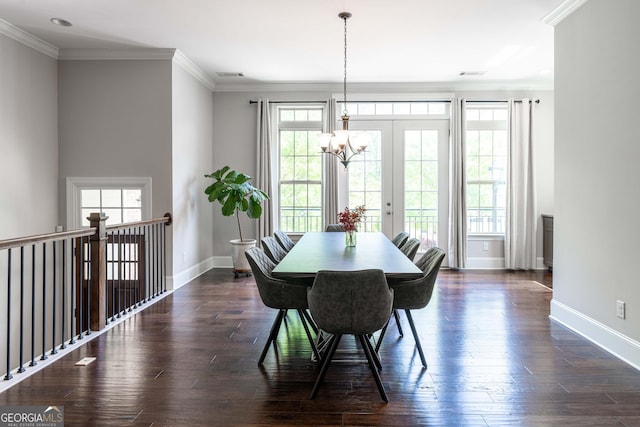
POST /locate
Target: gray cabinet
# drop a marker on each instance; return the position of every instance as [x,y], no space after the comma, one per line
[547,240]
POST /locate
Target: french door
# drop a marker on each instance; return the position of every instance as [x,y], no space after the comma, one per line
[403,178]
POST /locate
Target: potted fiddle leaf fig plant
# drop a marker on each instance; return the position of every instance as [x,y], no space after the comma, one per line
[234,191]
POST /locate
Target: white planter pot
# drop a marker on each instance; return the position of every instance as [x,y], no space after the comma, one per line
[240,263]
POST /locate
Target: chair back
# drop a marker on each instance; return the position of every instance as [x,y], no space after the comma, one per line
[400,238]
[275,293]
[334,227]
[284,240]
[273,249]
[350,302]
[410,248]
[416,294]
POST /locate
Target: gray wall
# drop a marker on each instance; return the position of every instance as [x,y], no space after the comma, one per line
[596,226]
[234,133]
[192,136]
[28,141]
[115,121]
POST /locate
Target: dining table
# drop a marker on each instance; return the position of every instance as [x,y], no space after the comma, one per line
[317,251]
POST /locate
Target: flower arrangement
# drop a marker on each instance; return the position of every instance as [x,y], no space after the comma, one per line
[350,218]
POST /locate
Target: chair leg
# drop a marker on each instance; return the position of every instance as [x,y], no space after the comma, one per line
[382,332]
[397,316]
[275,328]
[309,337]
[333,345]
[374,371]
[415,336]
[310,320]
[374,354]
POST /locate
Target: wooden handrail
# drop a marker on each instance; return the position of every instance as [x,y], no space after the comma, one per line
[40,238]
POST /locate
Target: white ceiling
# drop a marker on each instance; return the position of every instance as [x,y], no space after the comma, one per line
[301,41]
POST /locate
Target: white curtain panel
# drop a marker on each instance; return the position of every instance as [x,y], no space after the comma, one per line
[330,193]
[520,230]
[457,198]
[264,170]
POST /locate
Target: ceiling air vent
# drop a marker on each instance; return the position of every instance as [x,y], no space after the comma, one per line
[473,73]
[228,74]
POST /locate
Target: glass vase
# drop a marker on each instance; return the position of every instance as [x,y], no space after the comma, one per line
[350,238]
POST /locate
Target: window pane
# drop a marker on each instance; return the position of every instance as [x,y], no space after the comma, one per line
[112,198]
[90,198]
[132,198]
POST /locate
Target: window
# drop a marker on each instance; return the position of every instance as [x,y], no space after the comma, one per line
[300,168]
[121,205]
[486,167]
[121,199]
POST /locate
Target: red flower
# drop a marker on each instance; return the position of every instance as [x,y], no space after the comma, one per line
[350,218]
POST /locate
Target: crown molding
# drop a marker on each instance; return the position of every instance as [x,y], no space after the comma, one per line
[186,64]
[27,39]
[381,87]
[564,9]
[139,54]
[106,54]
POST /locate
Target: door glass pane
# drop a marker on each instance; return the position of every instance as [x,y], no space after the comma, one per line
[365,182]
[421,186]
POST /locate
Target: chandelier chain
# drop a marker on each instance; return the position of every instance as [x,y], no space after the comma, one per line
[344,84]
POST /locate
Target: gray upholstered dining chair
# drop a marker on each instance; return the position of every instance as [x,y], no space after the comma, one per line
[350,302]
[400,238]
[416,294]
[281,295]
[272,248]
[284,240]
[334,227]
[410,248]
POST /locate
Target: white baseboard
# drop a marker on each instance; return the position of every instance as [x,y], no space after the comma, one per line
[620,345]
[185,276]
[485,263]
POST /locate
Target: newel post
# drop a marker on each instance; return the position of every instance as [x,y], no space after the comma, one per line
[97,295]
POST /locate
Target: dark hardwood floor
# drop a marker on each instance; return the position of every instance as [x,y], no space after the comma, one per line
[495,359]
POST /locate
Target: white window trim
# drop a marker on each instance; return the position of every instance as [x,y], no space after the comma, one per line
[76,184]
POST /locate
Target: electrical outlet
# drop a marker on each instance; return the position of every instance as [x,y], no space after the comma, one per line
[620,308]
[485,246]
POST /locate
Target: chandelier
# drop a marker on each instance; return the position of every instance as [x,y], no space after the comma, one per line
[342,143]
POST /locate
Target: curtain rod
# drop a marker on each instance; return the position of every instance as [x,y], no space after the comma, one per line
[537,101]
[352,102]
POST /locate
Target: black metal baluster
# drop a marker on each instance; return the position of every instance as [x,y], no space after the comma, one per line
[88,264]
[44,301]
[157,262]
[21,349]
[33,306]
[147,263]
[64,294]
[72,312]
[152,276]
[139,247]
[81,276]
[120,272]
[164,257]
[113,277]
[8,376]
[127,281]
[106,281]
[54,350]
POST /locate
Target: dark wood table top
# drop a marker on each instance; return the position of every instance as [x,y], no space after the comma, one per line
[327,251]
